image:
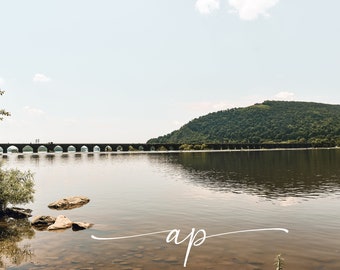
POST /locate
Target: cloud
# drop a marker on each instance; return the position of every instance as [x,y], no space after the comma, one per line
[285,95]
[207,6]
[39,77]
[33,111]
[251,9]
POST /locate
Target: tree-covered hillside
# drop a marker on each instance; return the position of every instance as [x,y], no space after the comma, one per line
[268,122]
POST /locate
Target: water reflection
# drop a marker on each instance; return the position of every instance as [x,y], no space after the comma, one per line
[13,231]
[272,174]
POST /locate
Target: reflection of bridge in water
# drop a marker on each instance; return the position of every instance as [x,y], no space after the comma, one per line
[116,147]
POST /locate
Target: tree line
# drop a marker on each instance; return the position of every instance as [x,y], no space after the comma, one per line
[267,122]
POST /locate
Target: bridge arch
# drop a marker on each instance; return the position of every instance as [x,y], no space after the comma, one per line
[58,149]
[119,148]
[96,148]
[27,149]
[12,149]
[71,149]
[108,148]
[42,149]
[1,150]
[141,148]
[84,148]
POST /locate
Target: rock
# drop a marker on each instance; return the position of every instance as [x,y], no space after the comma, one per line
[69,203]
[42,222]
[77,226]
[16,212]
[61,222]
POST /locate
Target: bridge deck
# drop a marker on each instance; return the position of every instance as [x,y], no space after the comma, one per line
[112,147]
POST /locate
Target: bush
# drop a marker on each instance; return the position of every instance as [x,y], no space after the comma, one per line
[202,146]
[197,147]
[186,147]
[131,148]
[16,187]
[162,148]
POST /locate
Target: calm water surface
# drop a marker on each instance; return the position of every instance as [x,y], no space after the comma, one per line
[219,192]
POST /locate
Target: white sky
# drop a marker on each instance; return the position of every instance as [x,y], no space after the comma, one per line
[127,71]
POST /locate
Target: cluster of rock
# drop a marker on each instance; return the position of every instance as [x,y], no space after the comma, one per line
[57,223]
[62,222]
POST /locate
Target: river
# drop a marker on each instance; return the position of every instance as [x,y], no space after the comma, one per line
[194,193]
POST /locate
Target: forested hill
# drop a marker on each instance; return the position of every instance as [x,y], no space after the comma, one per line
[268,122]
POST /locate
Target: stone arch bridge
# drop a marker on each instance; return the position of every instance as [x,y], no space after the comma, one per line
[116,147]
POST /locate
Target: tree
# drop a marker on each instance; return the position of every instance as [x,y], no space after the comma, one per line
[16,187]
[2,111]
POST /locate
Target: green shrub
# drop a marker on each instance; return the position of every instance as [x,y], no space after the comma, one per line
[186,147]
[131,148]
[16,187]
[162,148]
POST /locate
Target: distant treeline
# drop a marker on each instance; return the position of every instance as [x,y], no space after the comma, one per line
[267,122]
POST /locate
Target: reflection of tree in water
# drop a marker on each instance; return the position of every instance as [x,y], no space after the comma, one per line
[12,232]
[272,174]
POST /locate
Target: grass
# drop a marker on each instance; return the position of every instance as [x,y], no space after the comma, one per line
[279,262]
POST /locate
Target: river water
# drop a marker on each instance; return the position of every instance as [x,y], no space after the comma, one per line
[218,192]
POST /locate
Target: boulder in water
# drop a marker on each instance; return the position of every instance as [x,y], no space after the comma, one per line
[61,222]
[69,203]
